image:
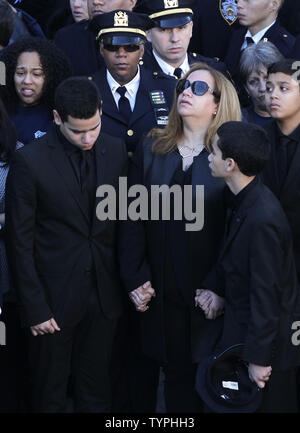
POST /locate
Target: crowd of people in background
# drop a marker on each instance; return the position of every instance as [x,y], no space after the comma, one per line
[107,313]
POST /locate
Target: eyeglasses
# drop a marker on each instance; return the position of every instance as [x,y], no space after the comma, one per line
[129,48]
[199,88]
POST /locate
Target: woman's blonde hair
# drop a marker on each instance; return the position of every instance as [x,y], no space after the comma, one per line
[228,109]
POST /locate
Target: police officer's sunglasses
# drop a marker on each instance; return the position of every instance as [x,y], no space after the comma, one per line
[199,88]
[129,48]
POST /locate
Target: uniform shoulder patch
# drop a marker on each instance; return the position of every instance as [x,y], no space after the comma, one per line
[228,9]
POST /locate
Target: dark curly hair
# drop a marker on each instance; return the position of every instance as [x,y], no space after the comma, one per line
[56,68]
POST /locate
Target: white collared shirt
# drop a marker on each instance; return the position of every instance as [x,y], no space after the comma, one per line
[131,88]
[168,69]
[257,37]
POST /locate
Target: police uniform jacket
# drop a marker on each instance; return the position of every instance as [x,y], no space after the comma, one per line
[149,111]
[145,246]
[256,274]
[79,45]
[150,62]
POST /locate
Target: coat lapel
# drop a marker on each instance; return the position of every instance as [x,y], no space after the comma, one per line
[100,155]
[63,167]
[163,168]
[294,169]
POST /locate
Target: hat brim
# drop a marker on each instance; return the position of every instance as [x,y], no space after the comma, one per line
[122,39]
[213,402]
[173,21]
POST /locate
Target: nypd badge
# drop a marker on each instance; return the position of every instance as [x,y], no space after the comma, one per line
[121,19]
[228,9]
[171,4]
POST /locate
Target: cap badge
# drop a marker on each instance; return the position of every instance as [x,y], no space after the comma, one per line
[121,19]
[171,4]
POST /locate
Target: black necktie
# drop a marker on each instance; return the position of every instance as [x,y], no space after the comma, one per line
[178,73]
[124,105]
[249,41]
[85,168]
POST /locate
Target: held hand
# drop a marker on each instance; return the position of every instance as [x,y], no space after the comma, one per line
[259,374]
[48,327]
[142,295]
[211,304]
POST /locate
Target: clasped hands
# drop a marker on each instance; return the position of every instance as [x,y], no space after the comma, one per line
[211,304]
[142,296]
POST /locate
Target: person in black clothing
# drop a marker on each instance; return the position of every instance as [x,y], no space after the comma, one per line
[160,256]
[63,256]
[7,23]
[255,274]
[34,68]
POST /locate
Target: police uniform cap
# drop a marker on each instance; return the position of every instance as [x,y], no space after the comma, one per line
[223,383]
[121,27]
[167,13]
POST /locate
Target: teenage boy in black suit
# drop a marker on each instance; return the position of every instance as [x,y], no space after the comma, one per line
[255,272]
[62,255]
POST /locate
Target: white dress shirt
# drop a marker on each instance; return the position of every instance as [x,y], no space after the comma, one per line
[168,69]
[257,37]
[131,88]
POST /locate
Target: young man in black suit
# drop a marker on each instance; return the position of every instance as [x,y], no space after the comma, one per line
[62,256]
[255,272]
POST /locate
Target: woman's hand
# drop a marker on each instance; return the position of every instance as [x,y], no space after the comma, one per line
[211,304]
[259,374]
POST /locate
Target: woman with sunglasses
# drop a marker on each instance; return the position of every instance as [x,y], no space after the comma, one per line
[163,261]
[134,99]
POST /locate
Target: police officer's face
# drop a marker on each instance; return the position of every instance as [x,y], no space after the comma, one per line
[82,133]
[171,44]
[283,98]
[79,10]
[29,78]
[255,13]
[122,65]
[256,87]
[97,7]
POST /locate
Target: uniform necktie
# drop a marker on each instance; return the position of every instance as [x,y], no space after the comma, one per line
[124,105]
[178,73]
[249,41]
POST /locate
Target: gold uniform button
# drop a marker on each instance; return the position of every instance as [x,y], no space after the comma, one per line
[130,132]
[90,78]
[285,36]
[141,62]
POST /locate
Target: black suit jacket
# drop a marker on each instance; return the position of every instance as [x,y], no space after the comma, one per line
[80,46]
[289,194]
[52,244]
[143,244]
[144,116]
[256,274]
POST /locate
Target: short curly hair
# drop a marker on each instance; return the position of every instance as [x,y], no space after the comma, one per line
[56,68]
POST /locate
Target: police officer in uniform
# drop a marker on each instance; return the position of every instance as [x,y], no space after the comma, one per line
[78,42]
[260,23]
[134,99]
[170,38]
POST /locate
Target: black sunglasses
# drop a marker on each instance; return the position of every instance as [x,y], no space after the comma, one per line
[199,88]
[129,48]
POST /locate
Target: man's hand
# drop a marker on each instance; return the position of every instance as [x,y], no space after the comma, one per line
[259,374]
[48,327]
[210,302]
[141,296]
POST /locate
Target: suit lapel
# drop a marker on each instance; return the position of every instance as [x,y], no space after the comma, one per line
[100,155]
[163,168]
[142,102]
[63,167]
[294,168]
